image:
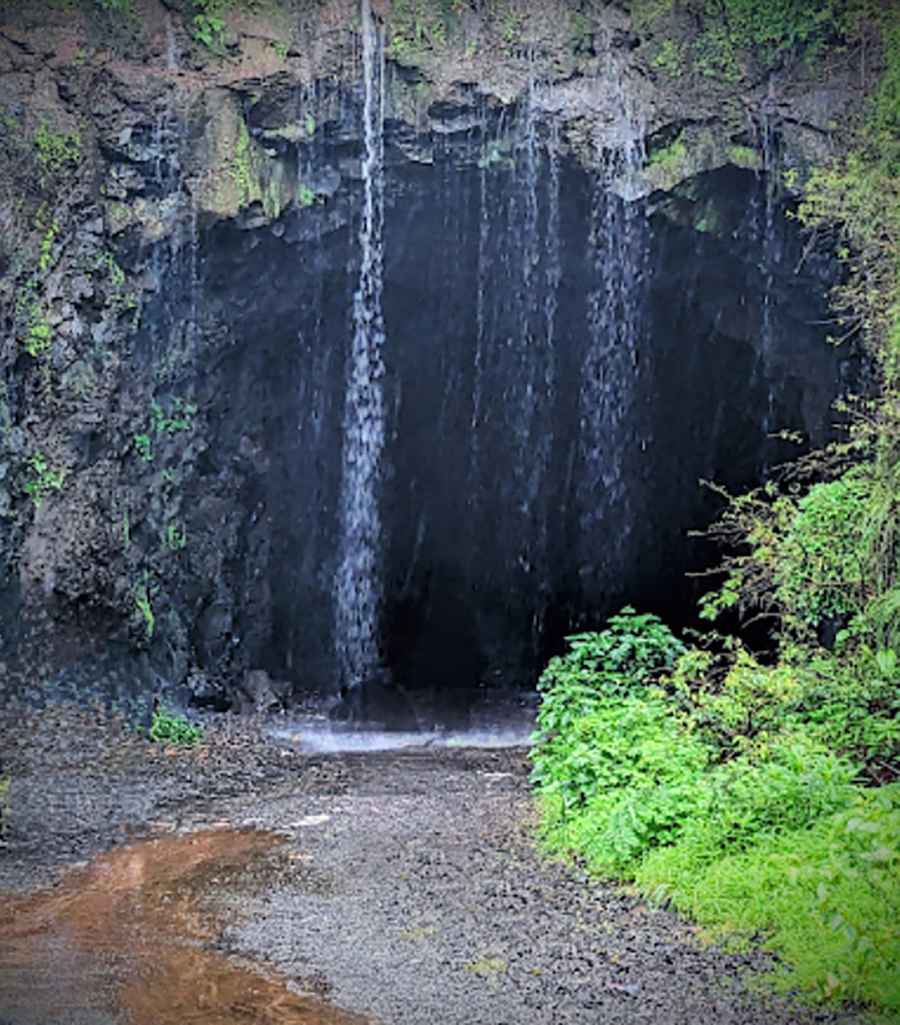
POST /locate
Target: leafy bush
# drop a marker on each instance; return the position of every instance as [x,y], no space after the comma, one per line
[613,767]
[825,898]
[820,560]
[631,648]
[849,703]
[174,729]
[623,742]
[586,700]
[785,785]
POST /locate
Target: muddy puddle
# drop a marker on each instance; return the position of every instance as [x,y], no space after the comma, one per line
[127,940]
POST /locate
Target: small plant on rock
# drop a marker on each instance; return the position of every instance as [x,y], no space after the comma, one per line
[167,727]
[43,479]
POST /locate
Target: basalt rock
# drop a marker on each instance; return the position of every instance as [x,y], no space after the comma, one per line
[591,295]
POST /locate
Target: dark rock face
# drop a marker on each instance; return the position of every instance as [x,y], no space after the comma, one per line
[561,373]
[561,368]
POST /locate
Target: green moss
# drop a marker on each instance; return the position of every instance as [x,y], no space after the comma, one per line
[744,156]
[644,13]
[766,31]
[670,157]
[418,28]
[669,58]
[42,479]
[38,333]
[45,259]
[56,151]
[144,606]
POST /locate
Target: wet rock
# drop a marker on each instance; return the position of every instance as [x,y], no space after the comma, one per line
[260,693]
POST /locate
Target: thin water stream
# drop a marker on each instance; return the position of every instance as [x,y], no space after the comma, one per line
[358,588]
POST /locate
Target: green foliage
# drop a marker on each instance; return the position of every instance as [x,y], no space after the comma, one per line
[768,31]
[56,151]
[816,553]
[143,444]
[820,559]
[180,417]
[747,157]
[175,537]
[416,27]
[164,422]
[115,6]
[785,784]
[208,24]
[848,703]
[144,605]
[38,332]
[45,257]
[669,58]
[604,731]
[42,479]
[107,263]
[306,196]
[645,13]
[167,727]
[670,157]
[883,125]
[825,898]
[241,169]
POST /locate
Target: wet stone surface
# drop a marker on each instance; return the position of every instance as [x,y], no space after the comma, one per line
[399,886]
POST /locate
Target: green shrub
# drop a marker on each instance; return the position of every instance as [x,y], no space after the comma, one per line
[786,784]
[848,702]
[825,898]
[612,766]
[586,690]
[631,648]
[173,729]
[669,58]
[613,744]
[767,30]
[820,561]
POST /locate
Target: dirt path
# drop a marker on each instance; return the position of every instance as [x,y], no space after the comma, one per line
[404,887]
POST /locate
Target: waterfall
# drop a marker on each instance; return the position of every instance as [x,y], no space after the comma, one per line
[768,174]
[358,586]
[618,245]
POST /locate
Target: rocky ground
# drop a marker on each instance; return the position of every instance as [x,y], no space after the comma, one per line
[406,888]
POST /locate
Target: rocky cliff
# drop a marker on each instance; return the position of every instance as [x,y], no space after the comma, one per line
[592,298]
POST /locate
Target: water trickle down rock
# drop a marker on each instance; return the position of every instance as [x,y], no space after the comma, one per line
[770,258]
[358,586]
[618,250]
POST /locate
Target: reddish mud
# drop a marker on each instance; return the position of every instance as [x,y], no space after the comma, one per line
[124,938]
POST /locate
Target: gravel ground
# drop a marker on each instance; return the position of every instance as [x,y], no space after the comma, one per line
[408,887]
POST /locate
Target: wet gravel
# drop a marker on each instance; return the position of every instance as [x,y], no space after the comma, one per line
[408,887]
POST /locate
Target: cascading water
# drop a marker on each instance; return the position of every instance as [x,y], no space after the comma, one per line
[770,255]
[358,587]
[618,244]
